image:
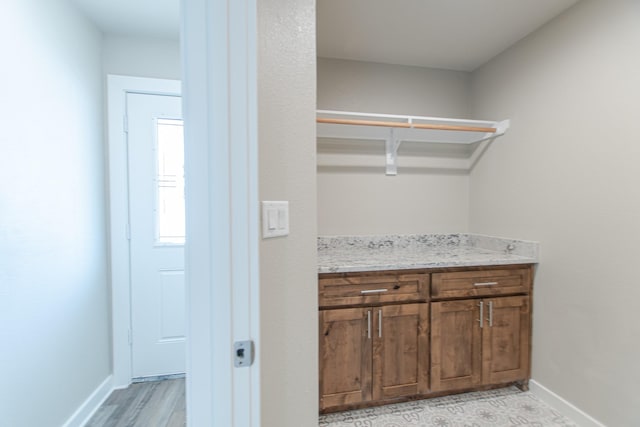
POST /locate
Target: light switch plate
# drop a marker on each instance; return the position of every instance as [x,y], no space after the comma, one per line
[275,219]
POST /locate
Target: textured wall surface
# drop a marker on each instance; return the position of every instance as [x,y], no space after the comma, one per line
[566,174]
[287,163]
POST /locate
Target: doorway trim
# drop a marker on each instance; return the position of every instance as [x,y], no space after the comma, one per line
[220,92]
[117,88]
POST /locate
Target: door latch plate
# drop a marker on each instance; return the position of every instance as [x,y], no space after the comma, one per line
[243,353]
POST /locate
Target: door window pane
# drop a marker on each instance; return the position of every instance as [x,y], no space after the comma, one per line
[170,218]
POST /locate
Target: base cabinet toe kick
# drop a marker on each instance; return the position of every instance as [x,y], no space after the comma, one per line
[391,336]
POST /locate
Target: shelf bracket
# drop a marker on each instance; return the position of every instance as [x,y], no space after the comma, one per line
[391,147]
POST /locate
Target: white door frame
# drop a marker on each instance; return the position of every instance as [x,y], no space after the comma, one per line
[219,59]
[118,87]
[219,63]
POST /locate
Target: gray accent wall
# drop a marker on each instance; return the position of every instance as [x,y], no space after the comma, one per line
[566,174]
[357,197]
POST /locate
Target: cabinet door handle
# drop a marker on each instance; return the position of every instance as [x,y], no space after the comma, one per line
[481,320]
[374,291]
[380,323]
[491,314]
[485,284]
[369,324]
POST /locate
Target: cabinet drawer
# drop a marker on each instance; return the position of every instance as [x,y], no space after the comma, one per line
[354,289]
[463,284]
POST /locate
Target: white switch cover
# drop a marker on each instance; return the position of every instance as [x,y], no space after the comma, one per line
[275,219]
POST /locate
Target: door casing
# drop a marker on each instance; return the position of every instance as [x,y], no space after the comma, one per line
[118,87]
[219,69]
[220,103]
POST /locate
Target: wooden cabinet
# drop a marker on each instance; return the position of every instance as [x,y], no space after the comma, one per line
[393,335]
[340,289]
[400,351]
[479,342]
[345,356]
[374,337]
[479,283]
[373,353]
[506,340]
[456,340]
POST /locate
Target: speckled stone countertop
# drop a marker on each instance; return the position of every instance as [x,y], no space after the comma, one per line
[340,254]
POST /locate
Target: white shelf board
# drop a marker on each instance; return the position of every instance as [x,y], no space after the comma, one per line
[395,136]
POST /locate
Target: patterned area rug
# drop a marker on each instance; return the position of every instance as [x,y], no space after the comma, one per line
[494,408]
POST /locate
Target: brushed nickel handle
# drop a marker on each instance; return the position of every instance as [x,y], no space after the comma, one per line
[380,323]
[485,284]
[481,320]
[491,314]
[369,324]
[374,291]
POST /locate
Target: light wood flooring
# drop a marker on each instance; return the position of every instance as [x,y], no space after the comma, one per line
[146,404]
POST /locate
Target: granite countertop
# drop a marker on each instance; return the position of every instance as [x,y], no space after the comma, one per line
[340,254]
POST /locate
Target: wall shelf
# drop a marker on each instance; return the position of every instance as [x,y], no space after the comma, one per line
[396,129]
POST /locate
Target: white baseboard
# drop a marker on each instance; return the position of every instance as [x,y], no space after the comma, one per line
[91,405]
[568,409]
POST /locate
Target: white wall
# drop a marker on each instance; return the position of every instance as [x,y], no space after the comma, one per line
[287,163]
[141,57]
[54,299]
[566,174]
[353,199]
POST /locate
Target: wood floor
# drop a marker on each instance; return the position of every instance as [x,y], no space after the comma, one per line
[147,404]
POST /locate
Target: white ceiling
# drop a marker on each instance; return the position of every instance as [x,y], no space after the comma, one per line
[449,34]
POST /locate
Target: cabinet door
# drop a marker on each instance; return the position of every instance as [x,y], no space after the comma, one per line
[400,350]
[456,361]
[345,356]
[506,340]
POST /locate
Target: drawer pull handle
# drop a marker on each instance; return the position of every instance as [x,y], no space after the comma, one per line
[374,291]
[485,284]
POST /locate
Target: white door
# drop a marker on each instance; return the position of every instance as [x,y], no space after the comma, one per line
[157,233]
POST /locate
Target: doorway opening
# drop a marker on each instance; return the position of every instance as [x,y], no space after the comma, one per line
[146,165]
